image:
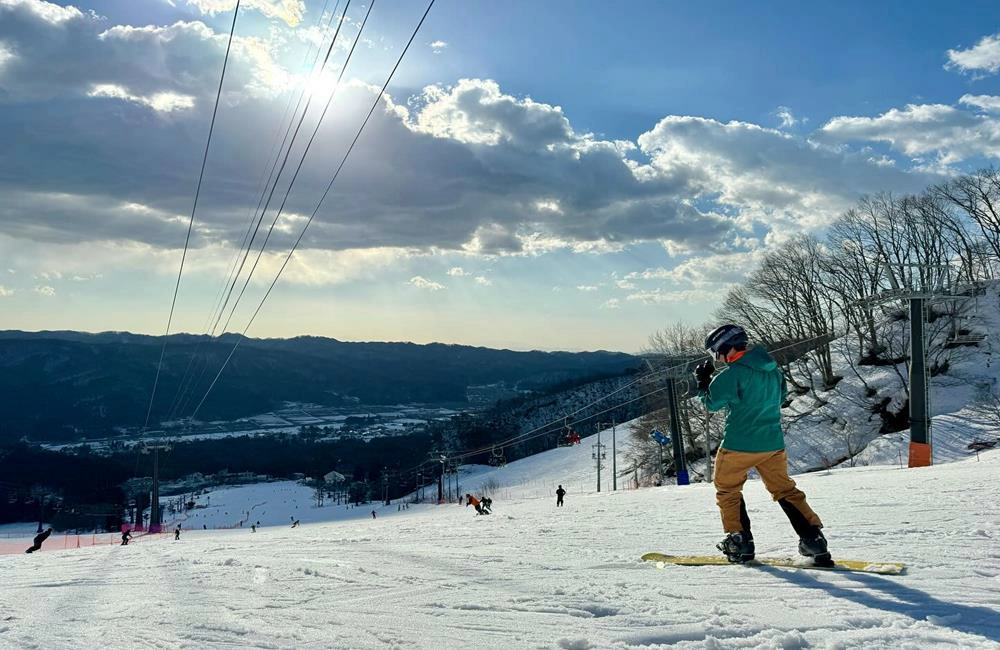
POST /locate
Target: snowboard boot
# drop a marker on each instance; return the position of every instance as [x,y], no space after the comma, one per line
[814,546]
[737,548]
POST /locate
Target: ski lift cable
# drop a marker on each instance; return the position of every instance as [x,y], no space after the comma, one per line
[298,168]
[185,385]
[645,377]
[343,161]
[194,208]
[561,422]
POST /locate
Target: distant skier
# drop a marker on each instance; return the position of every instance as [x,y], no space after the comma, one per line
[473,501]
[295,524]
[177,533]
[253,528]
[126,536]
[373,514]
[560,493]
[487,505]
[753,388]
[36,543]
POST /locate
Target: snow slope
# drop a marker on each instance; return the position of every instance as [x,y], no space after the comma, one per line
[533,576]
[278,503]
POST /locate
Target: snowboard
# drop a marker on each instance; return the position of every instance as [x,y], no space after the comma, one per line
[858,566]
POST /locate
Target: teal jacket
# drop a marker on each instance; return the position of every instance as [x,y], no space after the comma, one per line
[753,389]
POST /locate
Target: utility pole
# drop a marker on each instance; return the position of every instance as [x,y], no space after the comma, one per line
[155,525]
[614,458]
[598,455]
[441,480]
[385,485]
[602,426]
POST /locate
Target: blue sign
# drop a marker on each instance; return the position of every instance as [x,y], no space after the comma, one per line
[658,436]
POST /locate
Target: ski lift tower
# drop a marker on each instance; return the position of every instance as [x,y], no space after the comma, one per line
[676,378]
[155,524]
[918,284]
[677,372]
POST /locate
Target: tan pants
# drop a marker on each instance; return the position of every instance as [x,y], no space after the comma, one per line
[731,469]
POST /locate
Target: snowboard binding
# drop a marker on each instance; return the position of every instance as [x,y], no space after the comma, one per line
[737,548]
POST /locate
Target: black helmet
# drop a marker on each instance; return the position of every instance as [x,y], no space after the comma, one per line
[724,339]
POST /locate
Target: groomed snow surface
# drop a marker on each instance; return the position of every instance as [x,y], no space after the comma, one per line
[532,575]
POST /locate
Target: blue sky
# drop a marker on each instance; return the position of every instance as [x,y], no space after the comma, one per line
[555,175]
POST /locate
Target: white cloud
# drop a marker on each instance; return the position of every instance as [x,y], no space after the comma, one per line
[45,290]
[5,292]
[660,296]
[438,46]
[493,239]
[613,303]
[987,103]
[46,11]
[763,176]
[458,272]
[549,206]
[483,280]
[784,114]
[424,283]
[712,271]
[984,56]
[290,11]
[586,287]
[949,133]
[475,111]
[624,284]
[5,55]
[164,102]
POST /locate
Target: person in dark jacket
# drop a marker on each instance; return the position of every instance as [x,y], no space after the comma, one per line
[39,538]
[752,388]
[473,501]
[560,493]
[126,536]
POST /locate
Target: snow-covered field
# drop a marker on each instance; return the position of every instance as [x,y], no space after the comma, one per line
[533,576]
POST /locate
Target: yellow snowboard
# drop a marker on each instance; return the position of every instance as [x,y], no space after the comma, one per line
[861,566]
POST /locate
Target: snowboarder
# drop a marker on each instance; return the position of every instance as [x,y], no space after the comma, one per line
[39,538]
[487,505]
[373,514]
[752,388]
[253,528]
[177,533]
[126,536]
[560,493]
[295,524]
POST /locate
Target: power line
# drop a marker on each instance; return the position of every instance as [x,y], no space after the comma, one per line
[194,207]
[186,384]
[298,168]
[343,161]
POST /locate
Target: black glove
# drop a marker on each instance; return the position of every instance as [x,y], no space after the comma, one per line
[703,374]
